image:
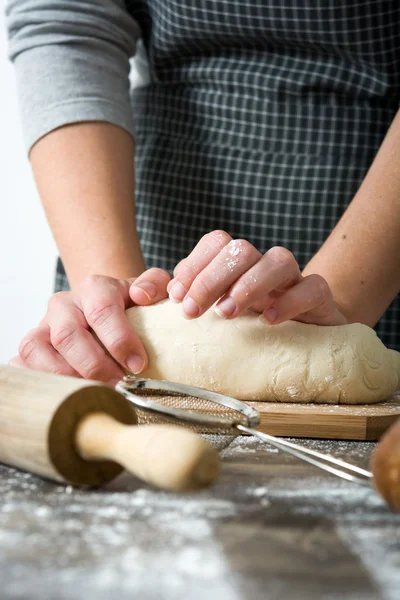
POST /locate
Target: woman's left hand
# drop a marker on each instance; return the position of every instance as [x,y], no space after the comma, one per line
[236,276]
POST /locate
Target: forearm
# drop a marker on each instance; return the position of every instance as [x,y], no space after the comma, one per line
[72,68]
[360,259]
[85,176]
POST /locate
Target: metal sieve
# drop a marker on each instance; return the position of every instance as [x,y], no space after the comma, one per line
[213,413]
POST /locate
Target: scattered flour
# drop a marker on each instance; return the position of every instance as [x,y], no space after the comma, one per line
[125,539]
[293,391]
[234,247]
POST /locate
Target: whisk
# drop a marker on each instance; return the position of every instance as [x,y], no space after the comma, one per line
[210,412]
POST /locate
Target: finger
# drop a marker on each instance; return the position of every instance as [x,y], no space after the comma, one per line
[70,336]
[36,352]
[103,307]
[310,301]
[150,287]
[176,270]
[275,271]
[234,259]
[16,361]
[201,256]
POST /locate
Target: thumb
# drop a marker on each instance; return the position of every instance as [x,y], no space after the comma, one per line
[150,287]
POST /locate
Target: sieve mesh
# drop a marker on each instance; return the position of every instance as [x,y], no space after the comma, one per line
[220,437]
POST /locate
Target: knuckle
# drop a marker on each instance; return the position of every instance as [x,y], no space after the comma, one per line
[92,370]
[117,345]
[243,248]
[246,288]
[322,289]
[57,299]
[63,337]
[57,370]
[98,314]
[201,288]
[94,281]
[218,238]
[188,269]
[282,257]
[178,267]
[91,281]
[28,345]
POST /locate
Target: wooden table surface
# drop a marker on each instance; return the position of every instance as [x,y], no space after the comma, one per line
[272,528]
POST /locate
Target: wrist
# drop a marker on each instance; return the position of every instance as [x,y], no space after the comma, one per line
[124,262]
[116,270]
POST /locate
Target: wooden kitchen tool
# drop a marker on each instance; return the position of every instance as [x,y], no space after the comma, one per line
[385,466]
[80,432]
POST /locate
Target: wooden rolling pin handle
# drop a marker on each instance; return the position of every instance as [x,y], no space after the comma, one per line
[166,456]
[385,466]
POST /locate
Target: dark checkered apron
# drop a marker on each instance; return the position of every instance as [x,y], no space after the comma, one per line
[261,118]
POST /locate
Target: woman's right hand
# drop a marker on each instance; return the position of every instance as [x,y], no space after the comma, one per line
[64,343]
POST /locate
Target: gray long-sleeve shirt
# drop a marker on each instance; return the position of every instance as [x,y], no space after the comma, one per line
[72,62]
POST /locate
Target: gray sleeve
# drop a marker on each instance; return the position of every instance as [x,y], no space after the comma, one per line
[71,61]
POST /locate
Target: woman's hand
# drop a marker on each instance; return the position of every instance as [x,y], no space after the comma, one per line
[239,277]
[64,343]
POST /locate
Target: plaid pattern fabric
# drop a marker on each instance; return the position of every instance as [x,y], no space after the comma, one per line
[261,118]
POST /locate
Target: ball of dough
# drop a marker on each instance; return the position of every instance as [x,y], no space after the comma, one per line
[251,360]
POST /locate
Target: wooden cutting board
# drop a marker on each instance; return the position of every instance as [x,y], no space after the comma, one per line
[323,421]
[332,421]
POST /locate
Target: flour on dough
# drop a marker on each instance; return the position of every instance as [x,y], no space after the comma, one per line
[250,360]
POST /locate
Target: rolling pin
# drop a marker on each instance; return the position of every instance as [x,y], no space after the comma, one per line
[81,432]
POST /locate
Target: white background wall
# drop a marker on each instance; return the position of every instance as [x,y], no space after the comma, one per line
[27,250]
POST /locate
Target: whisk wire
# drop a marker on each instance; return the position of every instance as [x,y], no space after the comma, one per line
[363,477]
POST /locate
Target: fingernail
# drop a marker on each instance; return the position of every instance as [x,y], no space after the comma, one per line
[226,307]
[135,364]
[148,288]
[190,308]
[271,315]
[177,292]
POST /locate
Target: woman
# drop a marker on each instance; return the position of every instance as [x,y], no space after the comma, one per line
[259,121]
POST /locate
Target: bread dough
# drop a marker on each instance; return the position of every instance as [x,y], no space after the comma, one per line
[250,360]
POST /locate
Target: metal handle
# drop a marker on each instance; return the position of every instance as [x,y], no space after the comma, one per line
[362,476]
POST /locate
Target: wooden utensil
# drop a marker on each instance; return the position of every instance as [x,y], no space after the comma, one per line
[385,466]
[84,433]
